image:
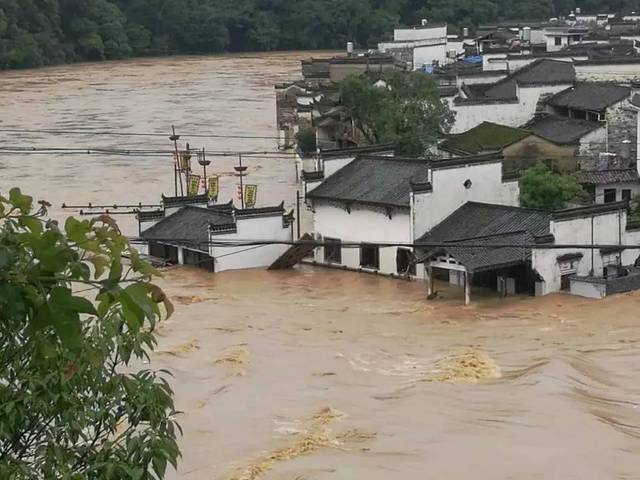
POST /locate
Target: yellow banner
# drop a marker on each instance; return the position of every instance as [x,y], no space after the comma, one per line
[194,185]
[250,194]
[214,185]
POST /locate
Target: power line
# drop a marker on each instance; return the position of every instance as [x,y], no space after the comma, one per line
[315,243]
[116,133]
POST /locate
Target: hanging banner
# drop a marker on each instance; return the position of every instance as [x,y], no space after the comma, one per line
[213,187]
[250,194]
[239,192]
[194,185]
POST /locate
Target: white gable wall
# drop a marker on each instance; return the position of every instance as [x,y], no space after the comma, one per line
[449,193]
[608,229]
[363,224]
[251,228]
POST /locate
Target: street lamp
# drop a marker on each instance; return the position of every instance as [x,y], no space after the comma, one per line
[202,160]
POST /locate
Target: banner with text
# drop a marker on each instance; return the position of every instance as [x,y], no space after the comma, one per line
[214,185]
[194,185]
[250,194]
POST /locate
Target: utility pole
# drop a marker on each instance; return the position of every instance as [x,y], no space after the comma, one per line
[178,170]
[241,169]
[298,212]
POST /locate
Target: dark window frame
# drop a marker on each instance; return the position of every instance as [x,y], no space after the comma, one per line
[369,256]
[332,250]
[558,41]
[626,194]
[404,257]
[607,192]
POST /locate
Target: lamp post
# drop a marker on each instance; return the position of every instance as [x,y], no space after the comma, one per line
[176,167]
[202,160]
[241,169]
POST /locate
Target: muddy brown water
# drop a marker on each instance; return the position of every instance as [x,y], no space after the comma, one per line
[321,374]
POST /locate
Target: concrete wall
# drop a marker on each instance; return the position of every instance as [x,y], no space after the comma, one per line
[591,145]
[410,34]
[494,61]
[608,229]
[622,126]
[618,187]
[428,54]
[449,193]
[588,288]
[512,114]
[469,115]
[251,228]
[620,72]
[362,224]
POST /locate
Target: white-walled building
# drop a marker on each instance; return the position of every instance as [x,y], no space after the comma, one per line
[422,45]
[515,250]
[394,200]
[188,236]
[514,100]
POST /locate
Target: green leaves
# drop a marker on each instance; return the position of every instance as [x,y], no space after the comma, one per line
[65,338]
[403,108]
[541,187]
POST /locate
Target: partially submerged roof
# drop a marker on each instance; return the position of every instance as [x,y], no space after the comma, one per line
[591,96]
[605,177]
[562,130]
[478,233]
[383,181]
[485,137]
[188,226]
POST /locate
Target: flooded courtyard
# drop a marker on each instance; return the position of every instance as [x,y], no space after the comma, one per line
[322,374]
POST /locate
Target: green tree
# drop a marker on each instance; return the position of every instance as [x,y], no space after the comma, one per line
[306,139]
[75,324]
[400,107]
[541,187]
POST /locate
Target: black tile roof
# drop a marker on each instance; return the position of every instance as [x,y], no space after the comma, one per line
[591,96]
[479,226]
[189,226]
[169,202]
[589,210]
[604,177]
[384,181]
[347,152]
[540,72]
[562,130]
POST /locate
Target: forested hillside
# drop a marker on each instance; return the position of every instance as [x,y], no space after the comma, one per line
[44,32]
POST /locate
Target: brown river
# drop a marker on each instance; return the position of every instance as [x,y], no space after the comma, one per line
[320,374]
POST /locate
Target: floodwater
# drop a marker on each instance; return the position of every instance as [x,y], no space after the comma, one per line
[322,374]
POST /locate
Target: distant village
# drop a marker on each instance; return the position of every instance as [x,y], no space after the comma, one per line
[565,91]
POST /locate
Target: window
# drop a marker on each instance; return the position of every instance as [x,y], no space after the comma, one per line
[369,257]
[609,195]
[558,41]
[404,262]
[626,194]
[332,250]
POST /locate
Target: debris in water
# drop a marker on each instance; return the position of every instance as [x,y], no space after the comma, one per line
[189,300]
[470,366]
[316,436]
[234,358]
[181,349]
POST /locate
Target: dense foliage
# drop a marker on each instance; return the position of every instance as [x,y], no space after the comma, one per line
[74,323]
[402,108]
[541,187]
[43,32]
